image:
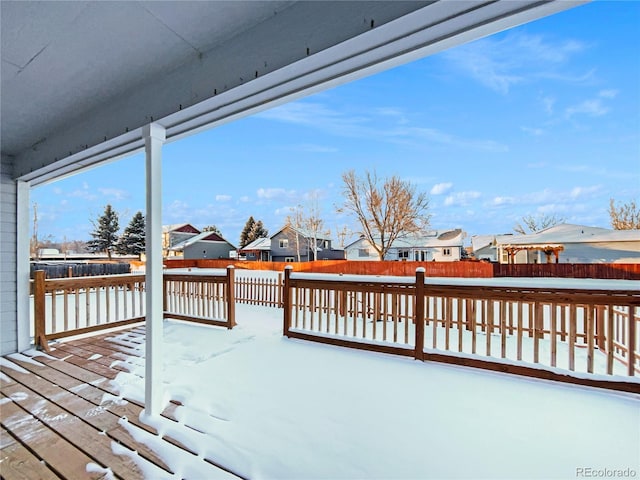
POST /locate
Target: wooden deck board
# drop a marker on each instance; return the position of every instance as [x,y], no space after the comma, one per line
[61,456]
[19,463]
[63,418]
[75,431]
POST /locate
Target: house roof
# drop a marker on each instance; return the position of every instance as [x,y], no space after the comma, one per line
[202,237]
[263,243]
[180,227]
[435,238]
[569,233]
[302,232]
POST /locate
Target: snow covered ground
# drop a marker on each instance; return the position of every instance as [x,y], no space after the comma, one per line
[268,407]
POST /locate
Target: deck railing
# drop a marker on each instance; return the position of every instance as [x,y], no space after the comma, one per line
[585,336]
[72,306]
[260,291]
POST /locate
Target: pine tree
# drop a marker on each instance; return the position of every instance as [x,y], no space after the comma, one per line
[258,231]
[105,234]
[244,235]
[132,241]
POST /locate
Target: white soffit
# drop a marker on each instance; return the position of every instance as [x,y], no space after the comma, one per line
[93,137]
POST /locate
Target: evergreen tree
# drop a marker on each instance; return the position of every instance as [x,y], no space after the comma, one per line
[244,235]
[252,231]
[105,233]
[132,241]
[258,231]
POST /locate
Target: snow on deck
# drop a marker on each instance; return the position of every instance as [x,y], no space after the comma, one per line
[269,407]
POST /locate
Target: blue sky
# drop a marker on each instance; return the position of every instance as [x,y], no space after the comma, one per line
[540,119]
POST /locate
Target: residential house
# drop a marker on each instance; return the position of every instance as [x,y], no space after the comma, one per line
[258,250]
[175,234]
[291,244]
[203,245]
[437,245]
[568,243]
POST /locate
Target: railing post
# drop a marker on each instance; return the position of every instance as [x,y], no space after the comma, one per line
[419,314]
[286,300]
[231,297]
[632,341]
[40,337]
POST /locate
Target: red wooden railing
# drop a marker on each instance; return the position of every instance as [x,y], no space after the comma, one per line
[576,335]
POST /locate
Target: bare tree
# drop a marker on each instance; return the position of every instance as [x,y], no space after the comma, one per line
[625,216]
[313,224]
[531,224]
[294,221]
[385,211]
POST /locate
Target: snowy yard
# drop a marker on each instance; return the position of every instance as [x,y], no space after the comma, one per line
[265,406]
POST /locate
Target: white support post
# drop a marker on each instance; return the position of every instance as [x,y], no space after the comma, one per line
[23,270]
[154,137]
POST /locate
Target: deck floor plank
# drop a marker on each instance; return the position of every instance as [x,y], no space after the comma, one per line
[68,461]
[97,415]
[19,463]
[80,434]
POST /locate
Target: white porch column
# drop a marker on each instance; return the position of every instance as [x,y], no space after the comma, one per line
[23,269]
[154,137]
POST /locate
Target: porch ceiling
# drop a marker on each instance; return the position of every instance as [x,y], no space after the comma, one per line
[79,79]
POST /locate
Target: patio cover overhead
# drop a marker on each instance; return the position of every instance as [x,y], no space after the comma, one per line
[80,79]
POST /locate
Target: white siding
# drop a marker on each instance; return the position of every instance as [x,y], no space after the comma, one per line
[8,256]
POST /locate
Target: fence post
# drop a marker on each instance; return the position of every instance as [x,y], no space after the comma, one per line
[231,297]
[286,300]
[279,289]
[40,337]
[419,314]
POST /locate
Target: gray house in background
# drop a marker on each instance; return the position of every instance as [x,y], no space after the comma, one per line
[203,245]
[258,250]
[291,244]
[175,234]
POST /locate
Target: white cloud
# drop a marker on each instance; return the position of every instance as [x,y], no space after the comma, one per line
[440,188]
[114,193]
[245,199]
[577,192]
[84,192]
[500,63]
[548,103]
[592,108]
[461,198]
[608,93]
[536,132]
[273,193]
[502,201]
[223,198]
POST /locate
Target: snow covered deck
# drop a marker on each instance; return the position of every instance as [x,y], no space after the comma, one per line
[62,416]
[264,406]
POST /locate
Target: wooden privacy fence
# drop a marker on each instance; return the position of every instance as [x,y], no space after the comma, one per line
[575,335]
[73,306]
[467,269]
